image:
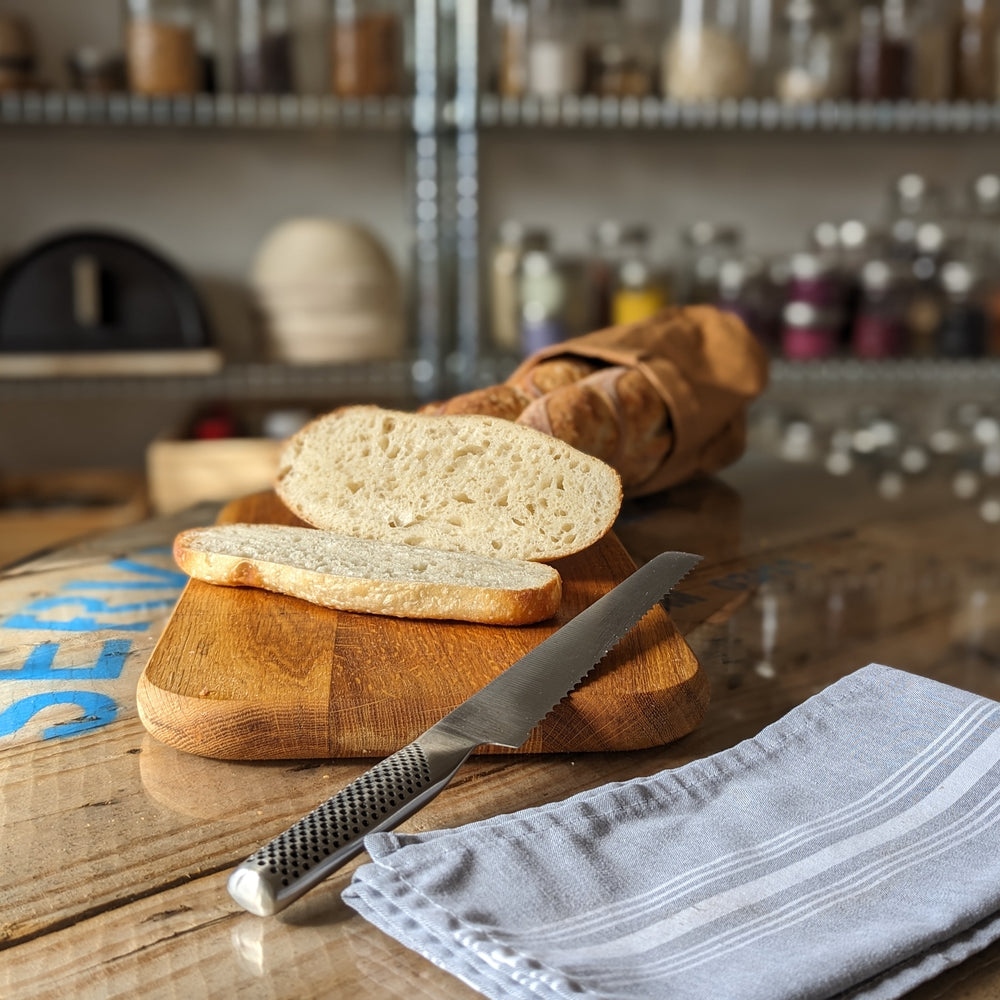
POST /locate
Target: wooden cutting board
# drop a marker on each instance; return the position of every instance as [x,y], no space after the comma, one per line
[243,674]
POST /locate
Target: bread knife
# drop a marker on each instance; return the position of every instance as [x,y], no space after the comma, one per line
[502,713]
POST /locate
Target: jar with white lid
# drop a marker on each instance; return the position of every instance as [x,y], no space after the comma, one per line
[706,55]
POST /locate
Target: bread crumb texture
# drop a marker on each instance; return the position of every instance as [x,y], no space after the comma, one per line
[456,483]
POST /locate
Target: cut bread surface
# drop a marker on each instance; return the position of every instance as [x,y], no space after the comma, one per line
[372,576]
[456,483]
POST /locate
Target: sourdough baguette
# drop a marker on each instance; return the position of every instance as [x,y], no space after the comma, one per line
[383,578]
[510,398]
[614,414]
[456,483]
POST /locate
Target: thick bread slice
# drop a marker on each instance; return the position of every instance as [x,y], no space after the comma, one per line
[457,483]
[383,578]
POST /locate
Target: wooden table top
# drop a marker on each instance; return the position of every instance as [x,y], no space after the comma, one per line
[115,849]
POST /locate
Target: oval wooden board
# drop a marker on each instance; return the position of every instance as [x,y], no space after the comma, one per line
[243,674]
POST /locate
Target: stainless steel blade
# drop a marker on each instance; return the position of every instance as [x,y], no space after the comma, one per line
[506,710]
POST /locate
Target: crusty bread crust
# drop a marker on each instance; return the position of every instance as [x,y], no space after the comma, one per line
[456,483]
[381,578]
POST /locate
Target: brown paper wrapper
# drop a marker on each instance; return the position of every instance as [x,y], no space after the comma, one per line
[705,365]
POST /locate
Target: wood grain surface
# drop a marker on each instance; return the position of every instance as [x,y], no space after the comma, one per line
[240,673]
[115,847]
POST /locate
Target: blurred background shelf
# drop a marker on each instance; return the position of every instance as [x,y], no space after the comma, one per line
[207,111]
[749,114]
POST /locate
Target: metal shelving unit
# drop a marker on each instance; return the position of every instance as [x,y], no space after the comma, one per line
[205,111]
[767,115]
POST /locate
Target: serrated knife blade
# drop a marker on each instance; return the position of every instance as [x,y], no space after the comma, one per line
[501,713]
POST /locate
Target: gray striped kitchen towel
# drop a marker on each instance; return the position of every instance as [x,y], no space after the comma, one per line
[852,849]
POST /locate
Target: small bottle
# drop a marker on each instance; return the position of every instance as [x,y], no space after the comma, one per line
[505,276]
[933,50]
[963,329]
[543,295]
[743,291]
[555,52]
[639,293]
[811,67]
[883,53]
[704,245]
[160,48]
[878,323]
[600,273]
[914,200]
[510,28]
[206,41]
[924,299]
[975,51]
[365,48]
[808,333]
[263,47]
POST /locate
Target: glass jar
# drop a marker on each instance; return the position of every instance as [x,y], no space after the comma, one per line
[510,27]
[542,290]
[975,51]
[933,50]
[704,246]
[811,63]
[743,290]
[160,47]
[555,49]
[913,200]
[964,327]
[808,333]
[263,47]
[366,54]
[705,56]
[924,301]
[878,329]
[513,240]
[639,292]
[600,272]
[882,52]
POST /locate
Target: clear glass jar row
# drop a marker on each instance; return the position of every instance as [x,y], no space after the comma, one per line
[700,50]
[174,46]
[925,282]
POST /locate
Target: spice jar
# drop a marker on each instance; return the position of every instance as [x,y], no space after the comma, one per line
[555,51]
[601,272]
[263,47]
[365,48]
[811,62]
[878,330]
[704,246]
[883,52]
[975,51]
[743,289]
[933,50]
[924,303]
[639,293]
[18,53]
[160,47]
[510,24]
[705,56]
[963,329]
[543,294]
[513,240]
[808,333]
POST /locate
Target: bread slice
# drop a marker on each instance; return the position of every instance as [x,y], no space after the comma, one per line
[383,578]
[456,483]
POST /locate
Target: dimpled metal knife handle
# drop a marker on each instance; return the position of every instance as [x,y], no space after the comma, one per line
[334,832]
